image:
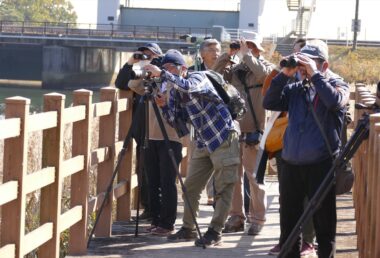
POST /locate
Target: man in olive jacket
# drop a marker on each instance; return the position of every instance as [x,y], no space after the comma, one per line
[248,76]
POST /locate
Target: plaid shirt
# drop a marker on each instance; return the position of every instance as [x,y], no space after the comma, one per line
[196,99]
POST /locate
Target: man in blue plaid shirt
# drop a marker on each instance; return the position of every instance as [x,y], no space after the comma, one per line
[195,99]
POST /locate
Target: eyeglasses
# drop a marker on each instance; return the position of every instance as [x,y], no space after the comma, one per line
[170,65]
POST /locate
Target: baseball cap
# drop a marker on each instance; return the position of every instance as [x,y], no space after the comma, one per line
[152,47]
[173,56]
[253,37]
[316,50]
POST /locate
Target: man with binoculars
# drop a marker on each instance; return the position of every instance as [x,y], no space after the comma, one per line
[160,175]
[248,77]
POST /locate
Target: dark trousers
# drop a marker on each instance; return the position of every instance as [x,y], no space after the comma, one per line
[298,181]
[162,182]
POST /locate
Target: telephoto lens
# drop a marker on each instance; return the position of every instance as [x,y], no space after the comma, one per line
[290,62]
[140,56]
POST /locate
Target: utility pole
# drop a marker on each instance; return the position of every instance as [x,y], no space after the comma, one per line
[356,26]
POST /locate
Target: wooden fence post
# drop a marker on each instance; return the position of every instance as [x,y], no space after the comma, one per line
[123,205]
[52,156]
[376,159]
[107,132]
[81,144]
[372,187]
[15,168]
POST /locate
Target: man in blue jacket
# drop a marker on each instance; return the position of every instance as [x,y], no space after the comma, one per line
[305,153]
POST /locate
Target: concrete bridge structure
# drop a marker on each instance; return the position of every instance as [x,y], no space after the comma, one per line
[61,55]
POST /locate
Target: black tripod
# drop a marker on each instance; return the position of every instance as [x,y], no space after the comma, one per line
[361,133]
[149,84]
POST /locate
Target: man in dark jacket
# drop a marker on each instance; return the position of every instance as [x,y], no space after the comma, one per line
[305,152]
[144,55]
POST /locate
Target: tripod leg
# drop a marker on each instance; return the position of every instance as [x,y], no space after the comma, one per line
[143,147]
[117,167]
[360,134]
[174,163]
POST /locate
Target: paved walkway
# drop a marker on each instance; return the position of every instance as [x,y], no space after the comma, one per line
[124,244]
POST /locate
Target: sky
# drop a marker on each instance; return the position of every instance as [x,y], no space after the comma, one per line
[331,19]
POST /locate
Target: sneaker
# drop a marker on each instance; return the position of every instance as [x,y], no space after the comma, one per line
[150,228]
[275,250]
[307,249]
[234,224]
[184,234]
[255,229]
[145,216]
[159,231]
[210,238]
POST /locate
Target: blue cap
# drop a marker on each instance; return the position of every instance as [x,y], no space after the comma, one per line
[315,51]
[173,56]
[152,47]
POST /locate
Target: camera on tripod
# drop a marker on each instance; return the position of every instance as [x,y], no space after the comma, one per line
[142,74]
[290,62]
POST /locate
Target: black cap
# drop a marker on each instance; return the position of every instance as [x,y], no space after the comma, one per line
[152,47]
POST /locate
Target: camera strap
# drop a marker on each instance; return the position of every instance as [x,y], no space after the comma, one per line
[311,107]
[241,76]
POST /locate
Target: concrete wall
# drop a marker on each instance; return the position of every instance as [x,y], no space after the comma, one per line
[73,67]
[20,62]
[108,9]
[250,11]
[178,18]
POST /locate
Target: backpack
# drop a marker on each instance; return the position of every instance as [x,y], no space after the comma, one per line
[229,94]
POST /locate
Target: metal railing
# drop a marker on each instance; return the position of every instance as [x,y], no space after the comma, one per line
[113,31]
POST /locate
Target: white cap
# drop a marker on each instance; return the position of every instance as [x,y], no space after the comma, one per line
[253,37]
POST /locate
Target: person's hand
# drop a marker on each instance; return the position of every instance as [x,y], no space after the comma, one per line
[309,64]
[244,49]
[153,70]
[160,100]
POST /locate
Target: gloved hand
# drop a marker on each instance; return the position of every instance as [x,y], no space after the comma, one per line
[253,138]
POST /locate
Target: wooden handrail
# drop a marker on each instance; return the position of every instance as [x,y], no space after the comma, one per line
[18,182]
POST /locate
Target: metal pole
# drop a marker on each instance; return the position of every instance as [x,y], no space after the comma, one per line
[354,44]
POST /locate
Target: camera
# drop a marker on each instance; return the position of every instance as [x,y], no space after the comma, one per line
[235,45]
[290,62]
[141,74]
[140,56]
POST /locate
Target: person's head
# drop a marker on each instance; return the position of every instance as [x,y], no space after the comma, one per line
[298,45]
[318,51]
[152,50]
[174,62]
[210,50]
[254,42]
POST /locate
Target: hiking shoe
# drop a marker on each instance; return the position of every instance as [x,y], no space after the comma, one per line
[159,231]
[307,249]
[145,216]
[150,228]
[255,229]
[234,224]
[210,238]
[184,234]
[275,250]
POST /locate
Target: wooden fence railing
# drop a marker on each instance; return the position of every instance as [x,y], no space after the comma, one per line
[366,164]
[18,182]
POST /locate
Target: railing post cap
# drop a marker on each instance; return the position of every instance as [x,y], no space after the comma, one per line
[83,92]
[17,100]
[55,95]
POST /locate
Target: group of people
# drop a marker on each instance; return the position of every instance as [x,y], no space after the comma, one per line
[223,149]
